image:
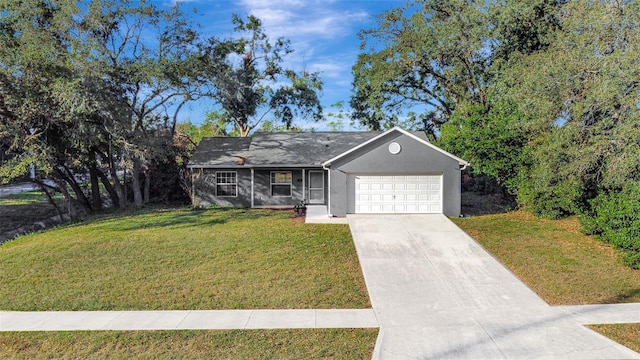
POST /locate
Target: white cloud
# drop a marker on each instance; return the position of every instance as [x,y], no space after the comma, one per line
[302,19]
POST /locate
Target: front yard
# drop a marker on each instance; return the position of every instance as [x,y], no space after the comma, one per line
[181,259]
[238,259]
[561,264]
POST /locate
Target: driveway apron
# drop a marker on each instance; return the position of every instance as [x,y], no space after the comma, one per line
[437,294]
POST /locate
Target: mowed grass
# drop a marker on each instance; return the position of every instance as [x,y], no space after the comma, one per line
[626,334]
[235,344]
[169,259]
[555,259]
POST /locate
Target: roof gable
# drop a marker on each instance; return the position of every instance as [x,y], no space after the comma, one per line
[385,134]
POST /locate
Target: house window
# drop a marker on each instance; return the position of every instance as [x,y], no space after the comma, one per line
[281,183]
[226,183]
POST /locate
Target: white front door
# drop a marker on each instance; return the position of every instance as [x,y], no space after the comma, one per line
[398,194]
[316,187]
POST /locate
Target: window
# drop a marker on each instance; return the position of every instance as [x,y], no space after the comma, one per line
[281,183]
[226,183]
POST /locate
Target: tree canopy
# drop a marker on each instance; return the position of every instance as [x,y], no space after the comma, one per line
[90,94]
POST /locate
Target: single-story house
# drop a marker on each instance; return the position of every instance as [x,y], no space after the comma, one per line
[394,171]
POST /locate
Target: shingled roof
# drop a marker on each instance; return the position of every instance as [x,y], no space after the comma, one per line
[221,152]
[278,149]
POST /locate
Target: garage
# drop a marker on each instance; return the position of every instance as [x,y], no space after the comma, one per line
[395,172]
[398,194]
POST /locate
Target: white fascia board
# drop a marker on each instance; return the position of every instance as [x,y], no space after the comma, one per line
[461,162]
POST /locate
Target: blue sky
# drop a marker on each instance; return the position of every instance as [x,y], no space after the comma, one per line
[322,33]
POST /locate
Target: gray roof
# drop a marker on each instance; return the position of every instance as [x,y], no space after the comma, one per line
[221,152]
[279,149]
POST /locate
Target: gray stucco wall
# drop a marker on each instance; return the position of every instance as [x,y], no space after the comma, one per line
[204,188]
[415,158]
[262,188]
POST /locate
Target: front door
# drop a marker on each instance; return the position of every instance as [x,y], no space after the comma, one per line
[316,187]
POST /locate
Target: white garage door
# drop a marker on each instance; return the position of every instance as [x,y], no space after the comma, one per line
[398,194]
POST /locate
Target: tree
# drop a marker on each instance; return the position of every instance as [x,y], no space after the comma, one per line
[84,88]
[492,142]
[583,91]
[250,83]
[153,76]
[431,54]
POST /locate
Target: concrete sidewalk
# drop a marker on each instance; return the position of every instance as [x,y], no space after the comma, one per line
[187,319]
[439,295]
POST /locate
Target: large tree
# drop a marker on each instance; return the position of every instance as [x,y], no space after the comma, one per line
[250,82]
[430,54]
[583,89]
[91,89]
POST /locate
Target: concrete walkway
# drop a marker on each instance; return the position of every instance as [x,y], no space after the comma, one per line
[317,214]
[438,294]
[186,319]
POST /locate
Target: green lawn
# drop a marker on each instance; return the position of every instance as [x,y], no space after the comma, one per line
[562,265]
[236,344]
[168,259]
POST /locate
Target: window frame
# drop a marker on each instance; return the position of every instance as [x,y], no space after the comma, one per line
[234,184]
[272,183]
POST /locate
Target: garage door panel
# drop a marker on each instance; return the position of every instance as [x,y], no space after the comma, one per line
[398,194]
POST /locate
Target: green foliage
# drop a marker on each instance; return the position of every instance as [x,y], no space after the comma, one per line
[427,53]
[551,186]
[492,142]
[93,88]
[615,218]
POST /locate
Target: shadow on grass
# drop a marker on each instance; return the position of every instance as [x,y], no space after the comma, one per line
[624,297]
[477,204]
[24,209]
[149,218]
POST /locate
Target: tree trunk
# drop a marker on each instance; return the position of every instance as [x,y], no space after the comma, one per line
[81,198]
[66,197]
[147,184]
[122,198]
[45,189]
[96,199]
[113,193]
[135,178]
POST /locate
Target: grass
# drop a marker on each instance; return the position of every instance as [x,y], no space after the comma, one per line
[626,334]
[562,265]
[181,259]
[23,209]
[236,344]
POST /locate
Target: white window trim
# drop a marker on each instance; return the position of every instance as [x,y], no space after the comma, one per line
[235,183]
[271,183]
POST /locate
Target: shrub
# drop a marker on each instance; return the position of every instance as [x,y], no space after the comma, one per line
[615,219]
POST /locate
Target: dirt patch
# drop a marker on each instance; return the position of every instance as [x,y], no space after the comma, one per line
[298,215]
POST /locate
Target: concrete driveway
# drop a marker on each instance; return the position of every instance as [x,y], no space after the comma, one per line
[437,294]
